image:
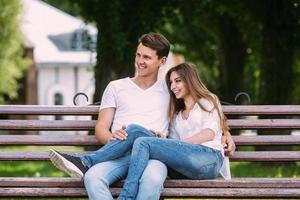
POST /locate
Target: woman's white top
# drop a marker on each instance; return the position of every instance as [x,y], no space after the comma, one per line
[197,121]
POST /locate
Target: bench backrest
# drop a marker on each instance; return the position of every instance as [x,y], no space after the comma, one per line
[249,118]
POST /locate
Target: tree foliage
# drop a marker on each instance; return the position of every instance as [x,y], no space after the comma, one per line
[246,45]
[11,51]
[120,24]
[239,45]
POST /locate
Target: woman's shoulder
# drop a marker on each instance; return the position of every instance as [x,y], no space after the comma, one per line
[208,105]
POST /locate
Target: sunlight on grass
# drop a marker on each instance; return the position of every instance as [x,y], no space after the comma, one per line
[263,169]
[32,168]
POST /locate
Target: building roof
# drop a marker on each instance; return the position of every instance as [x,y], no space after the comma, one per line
[52,33]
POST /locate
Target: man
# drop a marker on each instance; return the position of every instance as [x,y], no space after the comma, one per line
[141,100]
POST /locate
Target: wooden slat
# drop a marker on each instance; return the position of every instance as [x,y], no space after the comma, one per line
[48,110]
[45,192]
[43,140]
[67,182]
[57,125]
[93,110]
[265,124]
[86,140]
[238,156]
[262,110]
[267,140]
[266,156]
[232,192]
[168,192]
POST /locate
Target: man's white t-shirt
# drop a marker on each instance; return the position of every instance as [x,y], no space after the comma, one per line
[147,108]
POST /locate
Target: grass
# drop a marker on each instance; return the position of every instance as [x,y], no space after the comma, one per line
[238,169]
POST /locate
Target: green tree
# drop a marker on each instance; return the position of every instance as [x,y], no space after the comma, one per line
[210,34]
[280,22]
[120,24]
[12,62]
[69,6]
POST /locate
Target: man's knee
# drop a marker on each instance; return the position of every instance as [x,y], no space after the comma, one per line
[93,178]
[155,173]
[151,183]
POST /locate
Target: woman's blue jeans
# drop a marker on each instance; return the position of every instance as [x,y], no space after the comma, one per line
[192,160]
[116,148]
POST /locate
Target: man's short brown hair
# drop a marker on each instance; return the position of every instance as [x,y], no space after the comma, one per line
[156,42]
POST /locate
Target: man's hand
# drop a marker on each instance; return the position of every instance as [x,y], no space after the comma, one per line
[230,145]
[119,134]
[158,134]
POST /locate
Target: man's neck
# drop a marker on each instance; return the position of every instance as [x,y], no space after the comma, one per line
[144,82]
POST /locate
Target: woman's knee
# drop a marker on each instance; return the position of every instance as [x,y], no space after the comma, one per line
[143,141]
[133,128]
[137,131]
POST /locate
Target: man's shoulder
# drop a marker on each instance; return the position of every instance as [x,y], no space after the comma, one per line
[118,82]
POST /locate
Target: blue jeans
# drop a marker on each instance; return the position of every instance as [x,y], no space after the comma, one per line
[116,148]
[110,163]
[194,161]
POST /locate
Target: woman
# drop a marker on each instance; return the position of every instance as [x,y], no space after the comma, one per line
[197,123]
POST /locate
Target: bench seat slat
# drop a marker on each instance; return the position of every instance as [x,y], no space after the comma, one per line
[84,140]
[232,192]
[238,156]
[168,192]
[59,125]
[217,183]
[93,110]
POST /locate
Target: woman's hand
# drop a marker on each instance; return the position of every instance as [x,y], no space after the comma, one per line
[229,144]
[158,134]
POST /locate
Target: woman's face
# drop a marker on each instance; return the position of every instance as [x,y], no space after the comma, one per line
[177,86]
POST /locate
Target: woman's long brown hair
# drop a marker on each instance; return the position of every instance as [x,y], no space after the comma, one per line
[189,75]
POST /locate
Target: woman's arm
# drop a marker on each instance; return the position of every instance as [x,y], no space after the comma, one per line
[203,136]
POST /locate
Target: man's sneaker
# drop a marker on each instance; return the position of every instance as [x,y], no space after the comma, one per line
[72,165]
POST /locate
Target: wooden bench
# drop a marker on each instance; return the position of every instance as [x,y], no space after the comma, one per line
[280,118]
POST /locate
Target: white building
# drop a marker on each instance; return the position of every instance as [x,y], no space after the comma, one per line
[61,57]
[62,63]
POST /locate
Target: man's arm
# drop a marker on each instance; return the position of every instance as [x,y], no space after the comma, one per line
[227,139]
[103,124]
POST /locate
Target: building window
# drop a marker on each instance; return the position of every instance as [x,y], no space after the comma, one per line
[81,40]
[58,100]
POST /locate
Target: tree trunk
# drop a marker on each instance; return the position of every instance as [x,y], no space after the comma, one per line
[278,39]
[232,58]
[232,61]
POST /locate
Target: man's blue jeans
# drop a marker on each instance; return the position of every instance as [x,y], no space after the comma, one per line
[110,163]
[194,161]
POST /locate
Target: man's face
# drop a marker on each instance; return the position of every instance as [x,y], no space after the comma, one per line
[146,61]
